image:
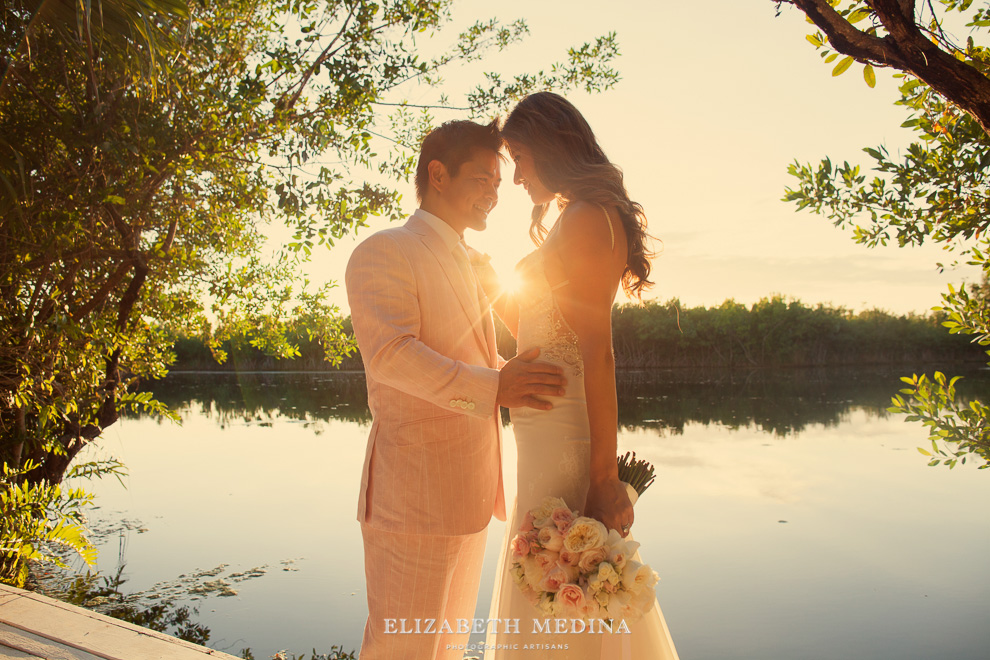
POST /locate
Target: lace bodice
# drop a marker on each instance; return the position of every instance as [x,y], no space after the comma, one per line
[541,323]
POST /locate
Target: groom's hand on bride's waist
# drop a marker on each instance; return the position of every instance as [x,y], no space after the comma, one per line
[522,382]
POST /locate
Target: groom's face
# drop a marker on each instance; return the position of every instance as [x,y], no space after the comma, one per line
[473,192]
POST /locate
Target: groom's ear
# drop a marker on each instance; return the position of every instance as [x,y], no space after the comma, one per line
[439,177]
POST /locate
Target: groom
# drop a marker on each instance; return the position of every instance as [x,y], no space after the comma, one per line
[432,474]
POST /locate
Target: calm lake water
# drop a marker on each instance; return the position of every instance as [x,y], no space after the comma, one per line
[792,518]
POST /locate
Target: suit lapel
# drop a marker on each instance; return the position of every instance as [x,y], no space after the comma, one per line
[453,273]
[489,328]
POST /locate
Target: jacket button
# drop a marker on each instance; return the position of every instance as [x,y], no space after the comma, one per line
[464,404]
[471,406]
[453,403]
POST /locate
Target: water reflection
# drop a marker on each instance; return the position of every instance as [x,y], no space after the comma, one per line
[791,516]
[781,402]
[262,397]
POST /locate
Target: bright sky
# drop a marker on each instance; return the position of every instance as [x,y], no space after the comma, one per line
[716,99]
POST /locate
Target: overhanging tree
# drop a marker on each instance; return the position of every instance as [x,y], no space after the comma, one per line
[146,145]
[936,191]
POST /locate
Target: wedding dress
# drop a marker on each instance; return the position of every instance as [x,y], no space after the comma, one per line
[553,459]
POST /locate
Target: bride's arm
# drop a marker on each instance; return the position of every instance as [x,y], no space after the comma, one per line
[586,304]
[503,302]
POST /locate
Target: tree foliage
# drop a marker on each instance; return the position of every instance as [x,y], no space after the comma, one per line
[936,191]
[41,519]
[145,148]
[773,332]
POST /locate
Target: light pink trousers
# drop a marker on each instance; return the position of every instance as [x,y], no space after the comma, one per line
[419,576]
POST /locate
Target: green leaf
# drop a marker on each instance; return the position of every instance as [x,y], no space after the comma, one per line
[869,76]
[858,15]
[841,67]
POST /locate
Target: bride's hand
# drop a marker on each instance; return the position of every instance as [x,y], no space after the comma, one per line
[608,501]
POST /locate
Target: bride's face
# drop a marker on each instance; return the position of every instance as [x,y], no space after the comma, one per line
[525,174]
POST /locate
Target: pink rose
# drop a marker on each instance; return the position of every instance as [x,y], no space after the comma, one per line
[553,580]
[527,523]
[520,546]
[571,597]
[562,518]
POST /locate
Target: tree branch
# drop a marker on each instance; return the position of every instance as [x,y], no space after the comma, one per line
[34,94]
[905,47]
[844,37]
[281,102]
[100,296]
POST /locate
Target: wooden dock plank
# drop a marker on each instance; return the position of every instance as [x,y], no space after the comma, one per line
[32,646]
[54,630]
[14,654]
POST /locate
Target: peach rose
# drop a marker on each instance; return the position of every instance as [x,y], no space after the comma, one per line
[569,558]
[585,534]
[591,558]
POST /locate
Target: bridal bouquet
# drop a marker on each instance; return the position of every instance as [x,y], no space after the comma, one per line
[572,567]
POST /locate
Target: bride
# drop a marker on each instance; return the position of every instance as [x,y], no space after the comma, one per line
[564,308]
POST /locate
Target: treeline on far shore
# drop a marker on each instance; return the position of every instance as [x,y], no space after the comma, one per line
[774,332]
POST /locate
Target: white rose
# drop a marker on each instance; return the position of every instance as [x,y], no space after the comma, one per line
[606,579]
[550,538]
[518,574]
[546,508]
[607,573]
[533,571]
[546,604]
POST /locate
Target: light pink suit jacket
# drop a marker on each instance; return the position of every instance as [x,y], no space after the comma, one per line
[433,463]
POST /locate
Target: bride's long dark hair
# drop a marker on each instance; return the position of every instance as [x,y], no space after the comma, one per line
[570,163]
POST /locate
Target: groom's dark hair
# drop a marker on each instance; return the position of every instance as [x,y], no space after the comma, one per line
[453,143]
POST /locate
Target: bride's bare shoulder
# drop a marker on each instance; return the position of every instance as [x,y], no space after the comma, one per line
[584,226]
